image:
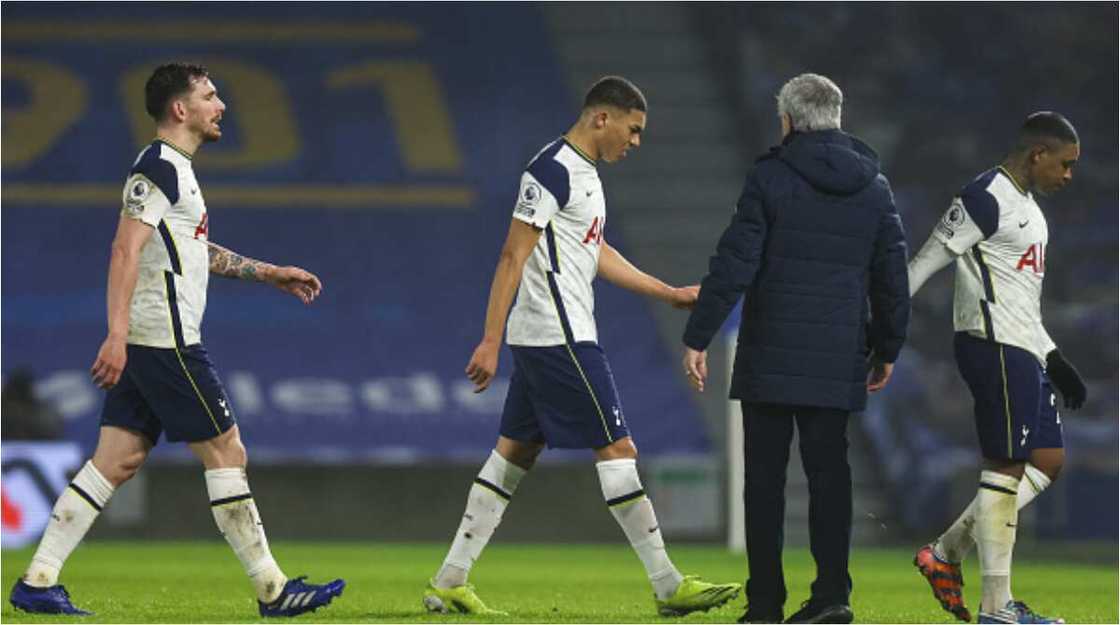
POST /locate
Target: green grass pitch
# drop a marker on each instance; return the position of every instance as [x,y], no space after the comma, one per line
[125,582]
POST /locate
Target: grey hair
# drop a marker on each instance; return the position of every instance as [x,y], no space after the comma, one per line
[812,101]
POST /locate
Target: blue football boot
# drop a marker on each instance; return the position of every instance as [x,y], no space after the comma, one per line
[1015,612]
[298,597]
[49,600]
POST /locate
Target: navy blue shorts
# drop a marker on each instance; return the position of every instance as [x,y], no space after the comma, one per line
[563,395]
[1015,407]
[172,390]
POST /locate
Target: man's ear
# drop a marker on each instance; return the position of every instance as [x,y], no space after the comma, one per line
[178,110]
[1036,154]
[599,120]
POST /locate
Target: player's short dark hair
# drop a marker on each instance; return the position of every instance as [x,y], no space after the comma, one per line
[615,91]
[167,82]
[1045,128]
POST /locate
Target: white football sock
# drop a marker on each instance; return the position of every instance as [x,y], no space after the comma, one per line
[957,541]
[622,488]
[236,514]
[73,514]
[489,495]
[1033,483]
[996,518]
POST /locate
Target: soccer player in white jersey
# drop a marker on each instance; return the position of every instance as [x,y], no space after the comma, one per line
[562,392]
[996,234]
[158,374]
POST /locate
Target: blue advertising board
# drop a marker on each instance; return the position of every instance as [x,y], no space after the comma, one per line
[377,145]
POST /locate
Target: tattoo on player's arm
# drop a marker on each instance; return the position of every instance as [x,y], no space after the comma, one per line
[230,264]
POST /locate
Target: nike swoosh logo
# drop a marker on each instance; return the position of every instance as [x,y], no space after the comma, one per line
[1024,224]
[590,193]
[653,529]
[1010,525]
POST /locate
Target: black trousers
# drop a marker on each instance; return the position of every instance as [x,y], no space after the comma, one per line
[822,432]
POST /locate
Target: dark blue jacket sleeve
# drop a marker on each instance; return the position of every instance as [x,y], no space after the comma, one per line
[889,287]
[732,270]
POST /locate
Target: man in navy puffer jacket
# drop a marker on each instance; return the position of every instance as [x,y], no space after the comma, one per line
[818,249]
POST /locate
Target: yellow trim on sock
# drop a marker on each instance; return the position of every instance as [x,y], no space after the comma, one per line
[230,503]
[628,502]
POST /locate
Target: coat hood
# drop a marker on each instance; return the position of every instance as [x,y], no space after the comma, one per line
[831,160]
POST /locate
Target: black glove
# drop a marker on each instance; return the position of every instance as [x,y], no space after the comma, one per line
[1066,378]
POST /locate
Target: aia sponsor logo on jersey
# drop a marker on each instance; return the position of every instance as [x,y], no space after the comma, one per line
[1034,258]
[203,229]
[595,232]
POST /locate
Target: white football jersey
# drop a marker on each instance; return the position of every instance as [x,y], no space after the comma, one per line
[170,294]
[1001,235]
[560,193]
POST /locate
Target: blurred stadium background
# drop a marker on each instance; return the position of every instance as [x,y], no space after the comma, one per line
[379,145]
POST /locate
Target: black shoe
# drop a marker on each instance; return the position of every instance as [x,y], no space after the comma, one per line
[758,616]
[812,612]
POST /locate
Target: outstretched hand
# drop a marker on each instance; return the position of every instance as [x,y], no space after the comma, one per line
[299,282]
[684,297]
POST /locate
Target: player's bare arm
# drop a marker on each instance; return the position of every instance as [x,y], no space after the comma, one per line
[520,241]
[294,280]
[614,268]
[124,267]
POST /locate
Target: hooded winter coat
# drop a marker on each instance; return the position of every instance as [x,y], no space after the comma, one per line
[817,247]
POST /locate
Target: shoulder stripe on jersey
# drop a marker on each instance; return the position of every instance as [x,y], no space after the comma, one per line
[985,274]
[989,292]
[173,309]
[576,149]
[552,174]
[569,336]
[989,329]
[550,240]
[162,173]
[980,204]
[177,330]
[554,288]
[169,243]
